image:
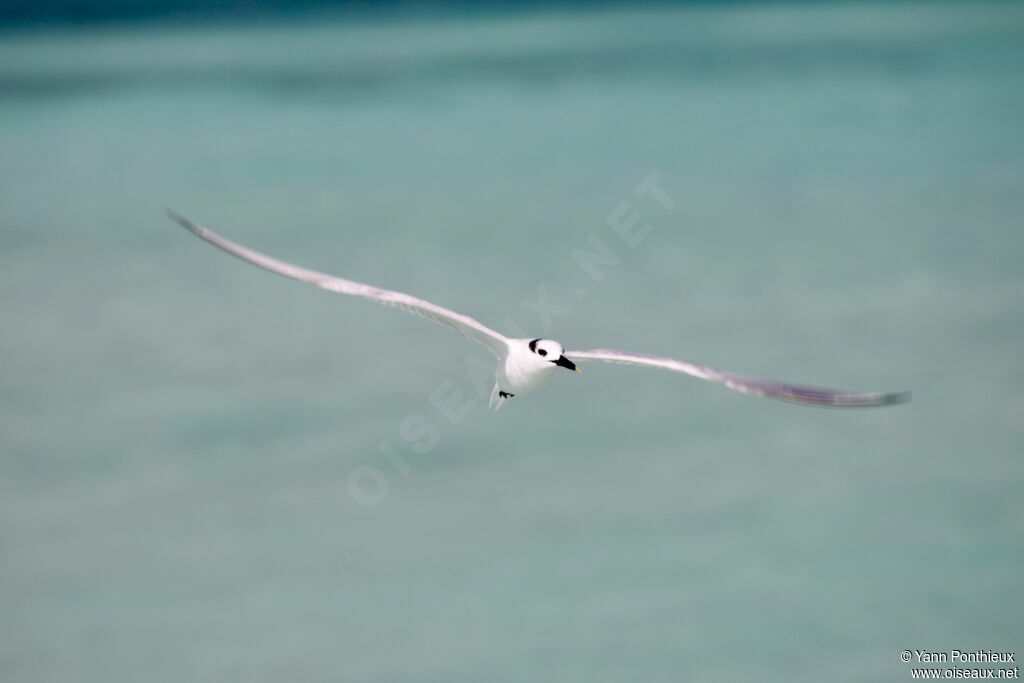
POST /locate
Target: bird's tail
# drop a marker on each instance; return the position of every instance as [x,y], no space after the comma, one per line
[497,400]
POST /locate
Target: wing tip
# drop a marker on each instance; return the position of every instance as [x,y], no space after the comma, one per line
[873,400]
[896,398]
[183,222]
[825,398]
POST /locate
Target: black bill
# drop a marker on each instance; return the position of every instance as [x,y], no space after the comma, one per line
[566,363]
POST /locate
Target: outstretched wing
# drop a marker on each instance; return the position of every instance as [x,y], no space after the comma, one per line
[463,324]
[783,391]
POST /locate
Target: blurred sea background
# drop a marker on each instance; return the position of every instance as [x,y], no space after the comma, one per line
[184,438]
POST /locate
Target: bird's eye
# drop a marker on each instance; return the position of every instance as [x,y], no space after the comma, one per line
[542,352]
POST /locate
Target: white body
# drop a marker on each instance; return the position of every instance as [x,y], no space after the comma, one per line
[520,371]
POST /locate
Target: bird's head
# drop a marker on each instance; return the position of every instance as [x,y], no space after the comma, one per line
[548,351]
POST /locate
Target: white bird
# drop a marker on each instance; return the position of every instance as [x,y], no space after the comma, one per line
[525,364]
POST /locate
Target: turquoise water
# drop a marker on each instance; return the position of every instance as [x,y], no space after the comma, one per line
[183,435]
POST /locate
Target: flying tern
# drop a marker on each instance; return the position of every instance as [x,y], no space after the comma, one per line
[525,364]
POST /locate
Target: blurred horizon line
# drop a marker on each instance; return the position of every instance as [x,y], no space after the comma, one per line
[74,13]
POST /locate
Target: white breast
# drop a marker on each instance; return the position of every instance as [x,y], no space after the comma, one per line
[521,374]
